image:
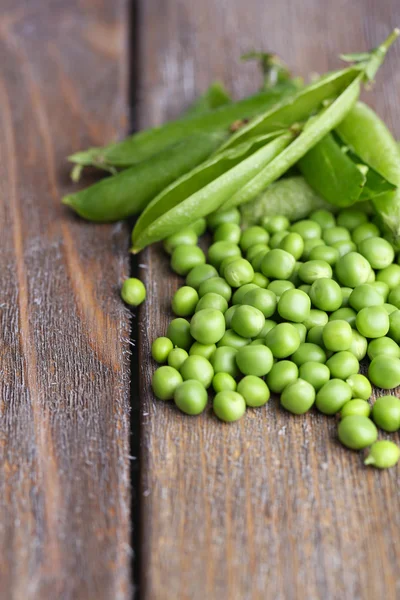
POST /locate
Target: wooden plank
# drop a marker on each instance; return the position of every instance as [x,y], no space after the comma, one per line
[271,507]
[64,337]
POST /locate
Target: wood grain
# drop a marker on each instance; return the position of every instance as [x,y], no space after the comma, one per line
[64,337]
[271,507]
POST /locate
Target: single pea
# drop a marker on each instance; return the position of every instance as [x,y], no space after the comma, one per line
[305,287]
[184,301]
[229,314]
[383,346]
[355,407]
[383,455]
[253,235]
[191,397]
[294,278]
[230,338]
[264,300]
[324,218]
[254,391]
[268,325]
[302,331]
[224,360]
[394,297]
[206,350]
[177,357]
[328,254]
[227,232]
[229,406]
[357,432]
[200,273]
[358,345]
[160,349]
[225,262]
[346,293]
[333,396]
[315,373]
[373,322]
[335,234]
[254,360]
[365,295]
[260,280]
[307,229]
[257,342]
[276,223]
[344,247]
[371,277]
[199,226]
[218,217]
[351,217]
[337,335]
[212,300]
[308,352]
[279,286]
[294,244]
[133,291]
[256,261]
[216,285]
[278,264]
[352,269]
[207,326]
[378,252]
[294,305]
[364,231]
[312,270]
[239,272]
[298,397]
[386,413]
[343,364]
[179,333]
[184,237]
[222,382]
[344,314]
[247,321]
[394,326]
[390,275]
[276,239]
[256,249]
[199,368]
[165,381]
[384,372]
[382,288]
[220,250]
[240,293]
[309,246]
[282,374]
[360,386]
[314,335]
[283,340]
[326,294]
[185,258]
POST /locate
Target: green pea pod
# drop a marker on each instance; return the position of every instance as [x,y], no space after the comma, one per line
[292,197]
[214,97]
[205,188]
[128,192]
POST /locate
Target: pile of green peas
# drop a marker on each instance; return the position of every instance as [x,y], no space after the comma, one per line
[287,308]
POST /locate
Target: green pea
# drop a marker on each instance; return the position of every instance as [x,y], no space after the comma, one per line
[394,297]
[260,280]
[230,338]
[365,295]
[298,397]
[324,218]
[253,235]
[279,286]
[276,223]
[225,262]
[184,301]
[371,276]
[256,249]
[302,331]
[383,346]
[229,314]
[360,386]
[200,273]
[382,288]
[307,229]
[160,349]
[227,232]
[394,326]
[357,432]
[344,314]
[276,239]
[326,294]
[384,372]
[378,252]
[254,391]
[224,361]
[352,269]
[205,350]
[220,250]
[333,396]
[216,285]
[282,374]
[337,335]
[133,291]
[263,300]
[199,226]
[309,246]
[346,292]
[294,244]
[386,413]
[185,258]
[315,373]
[283,340]
[268,325]
[218,217]
[308,352]
[184,237]
[343,364]
[344,247]
[383,455]
[229,406]
[207,326]
[165,381]
[240,293]
[239,272]
[177,357]
[179,333]
[355,407]
[278,264]
[247,321]
[390,275]
[254,360]
[212,300]
[373,322]
[304,288]
[222,382]
[358,345]
[314,335]
[199,368]
[294,278]
[294,305]
[257,342]
[312,270]
[328,254]
[335,234]
[351,217]
[191,397]
[364,231]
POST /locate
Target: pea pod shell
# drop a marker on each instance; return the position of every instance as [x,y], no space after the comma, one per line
[214,97]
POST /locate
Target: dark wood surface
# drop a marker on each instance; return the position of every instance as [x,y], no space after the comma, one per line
[64,336]
[271,507]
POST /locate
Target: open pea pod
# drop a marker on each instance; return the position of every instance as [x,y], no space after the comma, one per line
[205,188]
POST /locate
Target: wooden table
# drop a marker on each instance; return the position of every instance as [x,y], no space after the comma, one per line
[271,507]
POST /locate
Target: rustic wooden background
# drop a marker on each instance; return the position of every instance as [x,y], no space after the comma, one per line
[271,507]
